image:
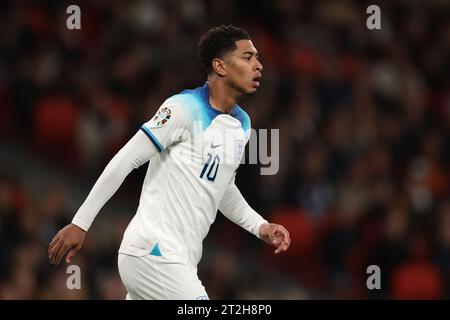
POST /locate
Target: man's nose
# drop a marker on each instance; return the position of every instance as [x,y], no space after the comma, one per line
[259,66]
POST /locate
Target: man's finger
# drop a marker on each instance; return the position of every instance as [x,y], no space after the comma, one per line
[287,237]
[282,247]
[276,232]
[61,253]
[279,249]
[71,254]
[53,242]
[279,233]
[53,252]
[273,235]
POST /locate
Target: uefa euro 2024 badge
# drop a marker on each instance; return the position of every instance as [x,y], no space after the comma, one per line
[162,116]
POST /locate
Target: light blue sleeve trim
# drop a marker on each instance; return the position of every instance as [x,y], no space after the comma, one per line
[153,139]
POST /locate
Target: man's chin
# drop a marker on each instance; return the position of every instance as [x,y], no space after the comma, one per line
[247,91]
[251,92]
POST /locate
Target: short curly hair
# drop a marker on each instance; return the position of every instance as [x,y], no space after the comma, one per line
[218,41]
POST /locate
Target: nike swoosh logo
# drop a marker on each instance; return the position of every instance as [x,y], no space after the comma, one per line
[213,146]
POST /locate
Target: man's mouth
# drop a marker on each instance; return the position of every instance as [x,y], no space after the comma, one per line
[256,81]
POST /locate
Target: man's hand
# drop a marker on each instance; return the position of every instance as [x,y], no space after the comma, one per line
[69,239]
[275,235]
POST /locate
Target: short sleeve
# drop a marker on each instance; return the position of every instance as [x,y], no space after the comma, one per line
[170,125]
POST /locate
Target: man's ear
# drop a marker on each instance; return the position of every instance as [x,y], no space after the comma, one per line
[219,67]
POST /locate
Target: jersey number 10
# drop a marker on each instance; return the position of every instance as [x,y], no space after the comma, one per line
[211,166]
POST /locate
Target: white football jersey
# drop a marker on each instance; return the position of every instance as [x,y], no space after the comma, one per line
[200,149]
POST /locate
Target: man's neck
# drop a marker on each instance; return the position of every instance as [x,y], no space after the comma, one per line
[221,96]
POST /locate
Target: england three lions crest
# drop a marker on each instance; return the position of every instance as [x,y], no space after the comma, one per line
[240,146]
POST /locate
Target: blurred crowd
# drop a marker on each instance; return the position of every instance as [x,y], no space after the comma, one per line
[364,119]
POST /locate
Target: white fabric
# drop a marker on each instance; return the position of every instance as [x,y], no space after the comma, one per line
[235,208]
[134,154]
[186,182]
[159,278]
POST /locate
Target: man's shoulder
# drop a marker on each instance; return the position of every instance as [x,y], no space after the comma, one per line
[187,99]
[240,114]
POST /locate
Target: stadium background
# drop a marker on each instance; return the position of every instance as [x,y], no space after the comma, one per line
[364,119]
